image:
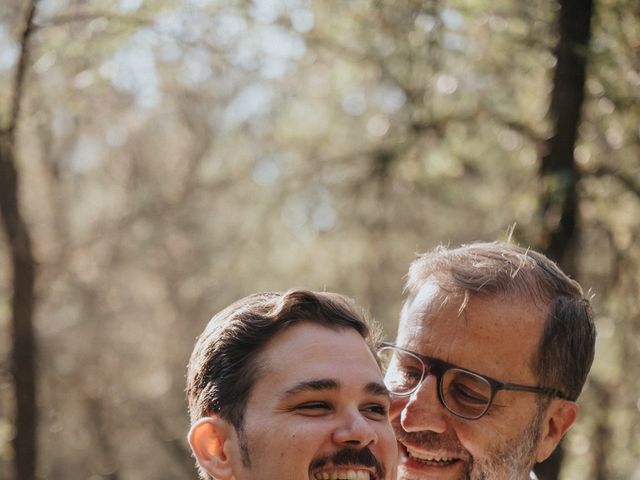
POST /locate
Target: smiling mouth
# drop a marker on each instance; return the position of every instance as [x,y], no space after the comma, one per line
[344,474]
[432,458]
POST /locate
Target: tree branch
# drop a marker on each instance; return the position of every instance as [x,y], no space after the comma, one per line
[61,20]
[21,70]
[632,184]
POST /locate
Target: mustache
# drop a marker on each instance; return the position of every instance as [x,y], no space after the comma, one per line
[350,457]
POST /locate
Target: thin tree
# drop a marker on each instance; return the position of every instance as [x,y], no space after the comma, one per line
[23,274]
[558,170]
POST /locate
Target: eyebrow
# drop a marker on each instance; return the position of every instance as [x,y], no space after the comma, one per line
[321,384]
[311,386]
[376,388]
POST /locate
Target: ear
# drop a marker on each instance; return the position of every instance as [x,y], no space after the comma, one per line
[559,417]
[209,438]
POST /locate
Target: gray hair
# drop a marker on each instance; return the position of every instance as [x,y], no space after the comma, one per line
[567,345]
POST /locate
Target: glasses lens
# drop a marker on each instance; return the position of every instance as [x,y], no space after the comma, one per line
[402,371]
[465,393]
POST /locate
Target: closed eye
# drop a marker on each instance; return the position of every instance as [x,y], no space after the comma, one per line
[376,410]
[466,395]
[313,408]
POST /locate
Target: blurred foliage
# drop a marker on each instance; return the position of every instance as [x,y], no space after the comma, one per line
[178,155]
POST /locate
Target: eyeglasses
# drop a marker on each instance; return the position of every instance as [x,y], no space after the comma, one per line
[464,393]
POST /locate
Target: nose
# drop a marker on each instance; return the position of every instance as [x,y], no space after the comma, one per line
[423,410]
[354,430]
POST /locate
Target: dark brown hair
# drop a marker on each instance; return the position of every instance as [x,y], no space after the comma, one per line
[223,366]
[567,346]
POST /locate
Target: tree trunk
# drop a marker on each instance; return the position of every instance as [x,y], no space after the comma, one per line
[23,271]
[23,274]
[558,168]
[559,173]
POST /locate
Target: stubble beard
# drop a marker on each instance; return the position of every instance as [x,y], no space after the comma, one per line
[511,460]
[514,459]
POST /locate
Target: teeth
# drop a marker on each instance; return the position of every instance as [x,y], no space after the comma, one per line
[350,474]
[427,457]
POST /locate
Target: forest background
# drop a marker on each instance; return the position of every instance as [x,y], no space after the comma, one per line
[159,160]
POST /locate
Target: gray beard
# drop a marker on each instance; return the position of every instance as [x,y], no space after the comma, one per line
[511,460]
[514,460]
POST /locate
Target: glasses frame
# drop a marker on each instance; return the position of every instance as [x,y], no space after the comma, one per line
[438,368]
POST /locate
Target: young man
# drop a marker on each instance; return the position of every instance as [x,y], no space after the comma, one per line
[493,349]
[288,387]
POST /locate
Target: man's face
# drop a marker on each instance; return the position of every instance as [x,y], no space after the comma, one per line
[319,410]
[495,337]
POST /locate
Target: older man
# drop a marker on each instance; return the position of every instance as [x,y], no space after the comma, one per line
[287,387]
[493,349]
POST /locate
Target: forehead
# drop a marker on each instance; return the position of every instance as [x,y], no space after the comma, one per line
[307,351]
[496,336]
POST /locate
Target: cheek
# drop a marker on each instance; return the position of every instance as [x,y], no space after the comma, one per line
[475,438]
[484,438]
[280,454]
[390,445]
[293,445]
[396,408]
